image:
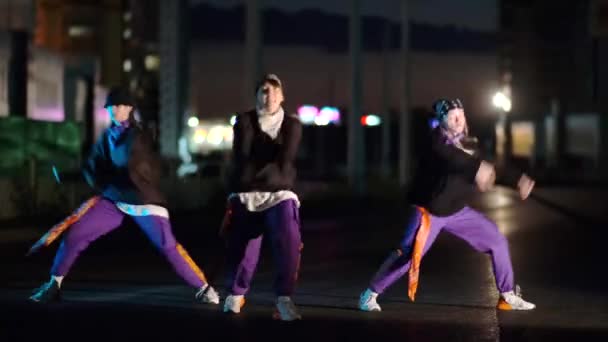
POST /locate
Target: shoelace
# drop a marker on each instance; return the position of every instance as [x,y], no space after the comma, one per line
[518,291]
[290,308]
[202,292]
[232,301]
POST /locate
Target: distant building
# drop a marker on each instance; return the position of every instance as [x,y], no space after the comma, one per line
[552,62]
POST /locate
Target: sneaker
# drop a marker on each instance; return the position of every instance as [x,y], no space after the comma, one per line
[234,303]
[367,301]
[207,295]
[48,292]
[512,300]
[286,310]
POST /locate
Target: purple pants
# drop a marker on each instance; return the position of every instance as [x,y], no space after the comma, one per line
[104,217]
[467,224]
[281,224]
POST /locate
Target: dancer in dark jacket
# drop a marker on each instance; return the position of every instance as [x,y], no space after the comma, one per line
[448,174]
[124,170]
[262,201]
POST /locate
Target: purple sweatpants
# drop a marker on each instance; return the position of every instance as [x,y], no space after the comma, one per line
[281,224]
[104,217]
[467,224]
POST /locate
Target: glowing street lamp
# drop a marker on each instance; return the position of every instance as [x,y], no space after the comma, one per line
[193,121]
[503,126]
[501,101]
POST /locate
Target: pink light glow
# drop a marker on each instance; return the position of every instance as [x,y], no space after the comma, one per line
[308,113]
[47,114]
[101,121]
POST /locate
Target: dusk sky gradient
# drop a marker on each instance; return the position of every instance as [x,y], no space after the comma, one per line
[471,14]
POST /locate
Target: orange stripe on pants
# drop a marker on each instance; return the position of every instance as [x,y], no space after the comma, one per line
[190,262]
[421,237]
[62,226]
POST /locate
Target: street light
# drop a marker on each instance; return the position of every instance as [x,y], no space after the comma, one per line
[501,101]
[193,121]
[502,129]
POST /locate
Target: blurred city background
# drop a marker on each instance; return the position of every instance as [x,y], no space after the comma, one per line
[361,75]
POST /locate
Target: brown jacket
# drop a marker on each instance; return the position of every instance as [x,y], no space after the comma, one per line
[123,167]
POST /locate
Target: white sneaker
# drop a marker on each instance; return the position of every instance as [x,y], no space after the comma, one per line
[367,301]
[233,304]
[207,295]
[286,310]
[512,301]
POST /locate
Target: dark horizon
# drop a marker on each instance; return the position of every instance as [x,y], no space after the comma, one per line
[330,31]
[472,14]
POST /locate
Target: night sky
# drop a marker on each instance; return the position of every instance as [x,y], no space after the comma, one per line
[470,14]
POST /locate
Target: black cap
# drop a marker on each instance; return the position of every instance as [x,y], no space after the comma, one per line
[119,96]
[270,78]
[441,107]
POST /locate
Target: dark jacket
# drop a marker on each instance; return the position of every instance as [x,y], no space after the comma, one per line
[444,179]
[259,162]
[123,167]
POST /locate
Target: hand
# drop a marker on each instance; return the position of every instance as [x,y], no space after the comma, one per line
[485,177]
[525,186]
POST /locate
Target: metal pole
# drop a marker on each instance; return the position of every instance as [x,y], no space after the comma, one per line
[253,50]
[171,85]
[356,149]
[386,117]
[404,122]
